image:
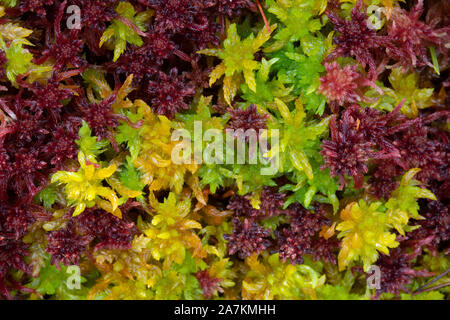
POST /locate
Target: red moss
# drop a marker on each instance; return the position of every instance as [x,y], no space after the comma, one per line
[198,76]
[356,39]
[234,7]
[343,85]
[359,136]
[99,116]
[3,60]
[47,99]
[423,147]
[27,171]
[383,180]
[247,119]
[325,249]
[169,93]
[34,145]
[247,238]
[4,172]
[209,285]
[12,256]
[107,230]
[28,125]
[94,16]
[94,228]
[158,46]
[271,205]
[14,220]
[438,13]
[136,62]
[96,12]
[66,245]
[333,5]
[177,16]
[411,37]
[272,201]
[293,246]
[348,152]
[397,271]
[301,237]
[242,207]
[380,127]
[66,48]
[14,223]
[62,145]
[37,6]
[26,146]
[146,60]
[38,138]
[185,19]
[434,229]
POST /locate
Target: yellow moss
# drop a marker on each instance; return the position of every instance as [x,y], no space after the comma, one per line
[406,88]
[403,203]
[171,231]
[238,63]
[273,279]
[155,158]
[84,189]
[364,232]
[125,274]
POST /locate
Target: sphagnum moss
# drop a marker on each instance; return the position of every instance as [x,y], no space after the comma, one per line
[356,101]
